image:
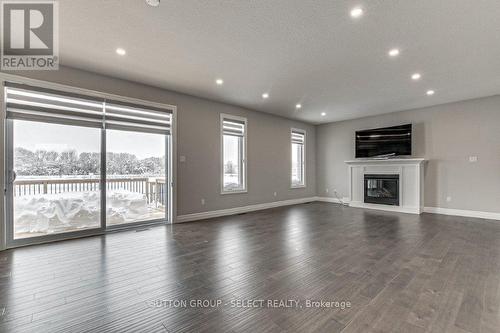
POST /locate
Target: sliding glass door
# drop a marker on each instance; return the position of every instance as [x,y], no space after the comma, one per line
[78,165]
[136,177]
[55,178]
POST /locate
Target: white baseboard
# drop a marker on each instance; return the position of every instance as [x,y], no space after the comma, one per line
[239,210]
[411,210]
[433,210]
[464,213]
[252,208]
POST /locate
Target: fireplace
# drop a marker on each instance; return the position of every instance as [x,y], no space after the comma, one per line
[382,189]
[404,177]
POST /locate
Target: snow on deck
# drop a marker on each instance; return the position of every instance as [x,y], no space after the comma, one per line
[69,211]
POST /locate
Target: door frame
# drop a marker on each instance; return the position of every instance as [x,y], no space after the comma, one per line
[7,239]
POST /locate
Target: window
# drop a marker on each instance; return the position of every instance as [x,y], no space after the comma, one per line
[135,176]
[80,164]
[57,171]
[137,149]
[233,144]
[298,140]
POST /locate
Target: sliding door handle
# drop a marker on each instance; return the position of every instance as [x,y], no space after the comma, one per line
[13,176]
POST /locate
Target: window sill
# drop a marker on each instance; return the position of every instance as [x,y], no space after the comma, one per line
[233,192]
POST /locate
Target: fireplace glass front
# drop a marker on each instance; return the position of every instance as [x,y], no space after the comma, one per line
[382,189]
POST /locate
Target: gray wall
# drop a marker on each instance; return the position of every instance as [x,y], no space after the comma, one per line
[446,135]
[198,139]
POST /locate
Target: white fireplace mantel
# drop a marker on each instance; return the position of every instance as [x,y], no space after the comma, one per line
[411,182]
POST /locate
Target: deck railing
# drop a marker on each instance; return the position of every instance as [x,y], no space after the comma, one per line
[152,188]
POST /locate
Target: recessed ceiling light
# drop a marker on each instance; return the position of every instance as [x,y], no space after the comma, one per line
[430,92]
[121,51]
[323,114]
[394,52]
[298,106]
[265,95]
[219,82]
[356,12]
[154,3]
[416,76]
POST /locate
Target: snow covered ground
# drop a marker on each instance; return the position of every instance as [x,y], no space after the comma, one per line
[231,180]
[54,213]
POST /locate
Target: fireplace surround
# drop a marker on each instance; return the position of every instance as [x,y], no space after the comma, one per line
[409,189]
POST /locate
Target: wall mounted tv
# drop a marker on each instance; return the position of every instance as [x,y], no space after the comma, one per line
[384,142]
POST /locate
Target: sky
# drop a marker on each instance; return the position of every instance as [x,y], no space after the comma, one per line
[37,136]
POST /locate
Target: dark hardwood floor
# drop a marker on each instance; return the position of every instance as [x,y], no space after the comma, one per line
[400,273]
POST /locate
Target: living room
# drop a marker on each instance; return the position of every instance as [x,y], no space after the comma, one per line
[238,166]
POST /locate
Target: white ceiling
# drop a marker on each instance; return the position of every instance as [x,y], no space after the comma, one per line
[300,51]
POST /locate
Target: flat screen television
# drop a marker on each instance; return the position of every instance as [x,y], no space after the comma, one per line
[384,142]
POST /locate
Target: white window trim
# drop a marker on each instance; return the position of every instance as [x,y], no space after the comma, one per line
[244,120]
[299,130]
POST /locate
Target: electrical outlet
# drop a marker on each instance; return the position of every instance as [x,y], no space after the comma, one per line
[275,193]
[202,201]
[182,159]
[326,190]
[473,159]
[448,199]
